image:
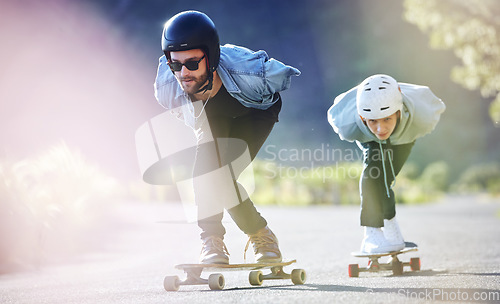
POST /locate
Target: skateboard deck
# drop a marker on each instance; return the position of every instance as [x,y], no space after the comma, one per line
[393,264]
[216,281]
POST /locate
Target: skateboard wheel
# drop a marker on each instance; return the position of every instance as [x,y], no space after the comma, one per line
[415,264]
[216,281]
[397,268]
[298,276]
[171,283]
[353,270]
[255,278]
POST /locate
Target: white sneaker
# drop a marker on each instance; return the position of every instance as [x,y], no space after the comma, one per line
[375,242]
[393,234]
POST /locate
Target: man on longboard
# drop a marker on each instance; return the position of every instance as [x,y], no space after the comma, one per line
[384,118]
[221,92]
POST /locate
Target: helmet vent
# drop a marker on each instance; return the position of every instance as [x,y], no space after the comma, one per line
[377,97]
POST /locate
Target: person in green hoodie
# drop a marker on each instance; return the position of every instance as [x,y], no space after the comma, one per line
[384,118]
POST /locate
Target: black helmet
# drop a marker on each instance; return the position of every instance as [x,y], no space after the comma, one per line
[192,30]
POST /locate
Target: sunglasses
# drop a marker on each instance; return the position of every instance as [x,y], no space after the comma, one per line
[191,65]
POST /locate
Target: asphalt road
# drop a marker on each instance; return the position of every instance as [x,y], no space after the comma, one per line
[458,239]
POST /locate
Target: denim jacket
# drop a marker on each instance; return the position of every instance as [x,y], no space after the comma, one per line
[419,116]
[250,77]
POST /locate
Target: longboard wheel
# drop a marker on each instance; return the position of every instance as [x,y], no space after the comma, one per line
[216,281]
[397,268]
[298,276]
[171,283]
[255,278]
[353,270]
[415,264]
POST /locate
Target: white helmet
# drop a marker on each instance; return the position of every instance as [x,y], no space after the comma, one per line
[378,96]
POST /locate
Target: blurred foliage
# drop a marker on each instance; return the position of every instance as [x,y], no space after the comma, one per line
[288,185]
[471,29]
[339,184]
[479,178]
[412,187]
[49,201]
[435,177]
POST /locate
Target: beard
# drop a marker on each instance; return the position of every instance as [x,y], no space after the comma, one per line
[194,84]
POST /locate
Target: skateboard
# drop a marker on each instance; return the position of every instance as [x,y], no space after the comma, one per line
[216,280]
[393,263]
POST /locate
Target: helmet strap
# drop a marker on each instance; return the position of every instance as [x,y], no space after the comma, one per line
[210,76]
[208,86]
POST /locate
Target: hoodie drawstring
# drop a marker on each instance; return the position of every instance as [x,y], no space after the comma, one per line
[385,174]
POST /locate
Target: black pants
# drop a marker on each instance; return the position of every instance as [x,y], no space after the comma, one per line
[253,126]
[375,204]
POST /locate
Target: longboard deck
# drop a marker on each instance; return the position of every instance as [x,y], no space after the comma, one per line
[369,255]
[408,248]
[232,267]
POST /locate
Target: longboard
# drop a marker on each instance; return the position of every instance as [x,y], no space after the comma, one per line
[216,281]
[393,264]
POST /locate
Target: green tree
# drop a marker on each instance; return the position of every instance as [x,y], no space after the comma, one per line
[469,28]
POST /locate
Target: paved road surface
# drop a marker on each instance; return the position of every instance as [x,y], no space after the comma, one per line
[458,238]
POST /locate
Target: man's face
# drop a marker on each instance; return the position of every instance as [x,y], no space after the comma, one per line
[383,128]
[190,81]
